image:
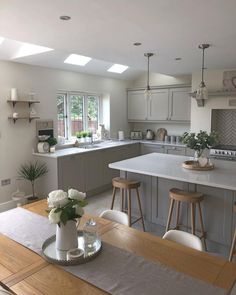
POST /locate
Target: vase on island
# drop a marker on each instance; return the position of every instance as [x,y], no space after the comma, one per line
[66,236]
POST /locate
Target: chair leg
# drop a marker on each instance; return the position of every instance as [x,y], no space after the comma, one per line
[201,224]
[177,214]
[129,207]
[140,208]
[113,197]
[172,202]
[232,247]
[122,199]
[193,218]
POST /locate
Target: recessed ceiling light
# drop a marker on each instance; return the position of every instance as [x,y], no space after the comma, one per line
[178,58]
[65,17]
[1,40]
[116,68]
[79,60]
[137,44]
[27,49]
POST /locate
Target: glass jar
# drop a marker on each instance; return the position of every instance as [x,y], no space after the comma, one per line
[90,232]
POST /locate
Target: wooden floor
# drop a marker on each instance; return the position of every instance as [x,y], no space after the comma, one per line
[26,273]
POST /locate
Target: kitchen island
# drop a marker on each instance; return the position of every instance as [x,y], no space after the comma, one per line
[160,172]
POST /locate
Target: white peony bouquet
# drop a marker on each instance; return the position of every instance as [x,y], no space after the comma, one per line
[64,206]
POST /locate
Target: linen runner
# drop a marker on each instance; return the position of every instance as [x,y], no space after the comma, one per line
[115,270]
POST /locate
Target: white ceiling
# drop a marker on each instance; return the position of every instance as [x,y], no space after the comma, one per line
[105,30]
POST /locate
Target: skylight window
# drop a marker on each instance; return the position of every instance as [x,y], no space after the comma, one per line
[1,40]
[27,49]
[116,68]
[79,60]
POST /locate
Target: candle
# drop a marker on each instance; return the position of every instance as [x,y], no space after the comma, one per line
[14,95]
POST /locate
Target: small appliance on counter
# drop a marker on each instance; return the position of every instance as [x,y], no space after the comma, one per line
[149,134]
[136,135]
[121,135]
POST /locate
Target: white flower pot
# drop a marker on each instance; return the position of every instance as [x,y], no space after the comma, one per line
[66,236]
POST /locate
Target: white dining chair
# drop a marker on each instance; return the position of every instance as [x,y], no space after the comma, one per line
[4,291]
[116,216]
[184,238]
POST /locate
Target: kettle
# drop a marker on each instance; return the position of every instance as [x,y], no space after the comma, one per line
[149,134]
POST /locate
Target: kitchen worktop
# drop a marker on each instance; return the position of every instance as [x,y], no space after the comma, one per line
[62,152]
[169,167]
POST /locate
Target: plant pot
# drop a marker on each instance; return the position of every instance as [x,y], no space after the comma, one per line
[66,236]
[52,149]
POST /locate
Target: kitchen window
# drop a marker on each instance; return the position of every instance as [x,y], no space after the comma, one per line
[77,112]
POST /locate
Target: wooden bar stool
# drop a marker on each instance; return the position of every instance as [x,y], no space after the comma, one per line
[127,185]
[192,198]
[233,246]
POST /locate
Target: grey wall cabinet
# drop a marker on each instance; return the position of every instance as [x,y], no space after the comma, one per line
[165,104]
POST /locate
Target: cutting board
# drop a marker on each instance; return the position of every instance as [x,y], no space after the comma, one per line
[161,133]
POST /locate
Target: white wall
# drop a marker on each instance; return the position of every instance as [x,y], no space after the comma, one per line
[17,140]
[201,116]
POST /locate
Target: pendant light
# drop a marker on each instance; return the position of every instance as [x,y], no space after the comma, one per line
[202,93]
[147,91]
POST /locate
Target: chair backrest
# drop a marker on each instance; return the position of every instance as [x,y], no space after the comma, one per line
[184,238]
[116,216]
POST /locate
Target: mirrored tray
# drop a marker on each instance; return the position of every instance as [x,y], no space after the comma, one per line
[83,254]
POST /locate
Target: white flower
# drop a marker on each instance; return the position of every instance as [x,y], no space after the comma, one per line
[79,210]
[76,195]
[57,198]
[54,217]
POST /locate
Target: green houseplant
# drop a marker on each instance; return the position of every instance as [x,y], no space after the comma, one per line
[199,141]
[31,172]
[51,141]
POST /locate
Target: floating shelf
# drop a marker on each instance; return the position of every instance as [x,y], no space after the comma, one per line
[216,93]
[30,102]
[23,118]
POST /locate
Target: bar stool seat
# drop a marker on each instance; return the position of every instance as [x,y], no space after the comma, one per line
[233,245]
[127,185]
[193,199]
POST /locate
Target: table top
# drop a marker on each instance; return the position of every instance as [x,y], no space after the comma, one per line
[30,274]
[170,167]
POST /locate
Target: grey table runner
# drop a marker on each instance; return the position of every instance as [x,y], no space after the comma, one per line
[116,271]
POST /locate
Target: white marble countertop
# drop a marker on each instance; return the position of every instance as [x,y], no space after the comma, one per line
[170,167]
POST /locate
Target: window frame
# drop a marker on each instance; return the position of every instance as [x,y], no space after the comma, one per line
[67,107]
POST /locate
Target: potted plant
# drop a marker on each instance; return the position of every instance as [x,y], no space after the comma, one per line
[78,135]
[31,172]
[199,141]
[83,135]
[52,141]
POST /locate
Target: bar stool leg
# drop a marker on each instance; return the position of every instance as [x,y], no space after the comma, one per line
[129,207]
[232,247]
[201,224]
[140,208]
[177,214]
[122,199]
[113,198]
[172,201]
[193,218]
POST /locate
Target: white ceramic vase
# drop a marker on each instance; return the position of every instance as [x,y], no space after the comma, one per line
[66,236]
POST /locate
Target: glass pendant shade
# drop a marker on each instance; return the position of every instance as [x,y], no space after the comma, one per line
[202,92]
[147,91]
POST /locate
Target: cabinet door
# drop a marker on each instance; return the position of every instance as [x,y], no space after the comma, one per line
[93,170]
[137,106]
[152,148]
[180,104]
[158,105]
[173,150]
[71,173]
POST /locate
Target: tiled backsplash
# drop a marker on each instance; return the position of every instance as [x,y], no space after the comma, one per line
[224,122]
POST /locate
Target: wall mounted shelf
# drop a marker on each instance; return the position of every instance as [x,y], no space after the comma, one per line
[30,102]
[23,118]
[216,93]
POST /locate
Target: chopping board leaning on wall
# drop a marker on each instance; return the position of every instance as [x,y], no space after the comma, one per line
[161,133]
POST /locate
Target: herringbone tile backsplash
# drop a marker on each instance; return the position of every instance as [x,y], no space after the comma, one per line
[224,122]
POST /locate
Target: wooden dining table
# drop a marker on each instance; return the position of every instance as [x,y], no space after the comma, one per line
[27,273]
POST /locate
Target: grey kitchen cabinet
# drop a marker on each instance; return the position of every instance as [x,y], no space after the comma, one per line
[158,105]
[137,106]
[152,148]
[71,173]
[179,104]
[175,150]
[165,104]
[93,170]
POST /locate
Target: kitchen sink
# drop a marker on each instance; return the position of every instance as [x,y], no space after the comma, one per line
[90,146]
